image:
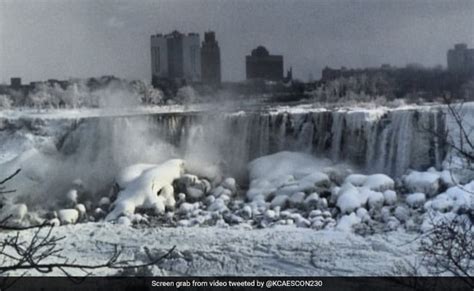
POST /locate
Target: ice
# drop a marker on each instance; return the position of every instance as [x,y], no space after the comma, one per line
[150,190]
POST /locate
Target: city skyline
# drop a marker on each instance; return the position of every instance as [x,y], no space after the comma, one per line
[63,39]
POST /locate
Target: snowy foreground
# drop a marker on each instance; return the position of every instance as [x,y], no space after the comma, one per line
[210,251]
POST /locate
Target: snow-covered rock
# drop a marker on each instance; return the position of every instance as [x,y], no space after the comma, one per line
[379,182]
[356,179]
[350,198]
[218,206]
[13,212]
[68,216]
[422,182]
[54,222]
[347,222]
[390,197]
[453,199]
[297,199]
[279,201]
[104,201]
[270,215]
[402,213]
[363,214]
[416,200]
[285,173]
[128,174]
[230,184]
[311,201]
[71,197]
[81,208]
[123,220]
[142,191]
[375,199]
[186,207]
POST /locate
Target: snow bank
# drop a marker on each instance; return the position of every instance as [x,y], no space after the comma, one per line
[152,189]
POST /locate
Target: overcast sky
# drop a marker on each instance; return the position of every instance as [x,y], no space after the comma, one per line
[41,39]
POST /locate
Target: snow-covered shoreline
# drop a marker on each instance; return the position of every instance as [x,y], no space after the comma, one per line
[237,251]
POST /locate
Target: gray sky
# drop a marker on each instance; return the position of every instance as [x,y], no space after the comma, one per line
[41,39]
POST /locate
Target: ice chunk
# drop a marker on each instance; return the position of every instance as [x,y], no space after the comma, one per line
[151,190]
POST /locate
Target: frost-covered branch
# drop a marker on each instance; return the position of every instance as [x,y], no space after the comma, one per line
[38,253]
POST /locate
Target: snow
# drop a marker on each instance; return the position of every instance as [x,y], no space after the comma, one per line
[15,212]
[238,251]
[379,182]
[142,191]
[416,200]
[349,198]
[461,196]
[68,216]
[376,199]
[356,179]
[285,173]
[347,222]
[230,184]
[424,182]
[390,197]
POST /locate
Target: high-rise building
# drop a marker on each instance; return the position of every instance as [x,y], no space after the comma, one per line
[461,59]
[176,56]
[261,65]
[210,59]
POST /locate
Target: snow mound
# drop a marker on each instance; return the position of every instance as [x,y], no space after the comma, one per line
[454,199]
[379,182]
[416,200]
[151,189]
[356,179]
[424,182]
[350,198]
[286,173]
[347,222]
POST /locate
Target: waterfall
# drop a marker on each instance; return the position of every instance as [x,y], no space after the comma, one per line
[386,141]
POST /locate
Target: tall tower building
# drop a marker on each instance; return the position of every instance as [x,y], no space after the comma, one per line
[461,59]
[176,56]
[211,59]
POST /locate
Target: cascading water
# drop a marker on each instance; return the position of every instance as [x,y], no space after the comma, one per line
[389,142]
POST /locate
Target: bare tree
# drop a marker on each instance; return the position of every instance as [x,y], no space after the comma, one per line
[42,252]
[449,246]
